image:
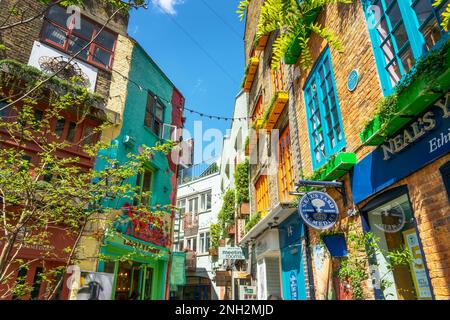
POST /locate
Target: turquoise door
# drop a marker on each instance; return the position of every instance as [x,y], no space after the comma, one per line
[293,273]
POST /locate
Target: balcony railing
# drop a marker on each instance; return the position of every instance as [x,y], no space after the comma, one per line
[197,172]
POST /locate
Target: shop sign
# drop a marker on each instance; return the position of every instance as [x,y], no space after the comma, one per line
[247,293]
[293,285]
[178,269]
[142,225]
[419,274]
[232,253]
[141,246]
[425,140]
[318,210]
[291,231]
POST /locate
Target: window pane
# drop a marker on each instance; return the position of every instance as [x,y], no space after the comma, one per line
[86,29]
[101,56]
[401,36]
[159,112]
[60,127]
[71,132]
[106,40]
[394,15]
[76,44]
[423,10]
[208,201]
[88,135]
[54,34]
[58,15]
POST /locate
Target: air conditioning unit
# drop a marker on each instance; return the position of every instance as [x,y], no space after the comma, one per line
[129,141]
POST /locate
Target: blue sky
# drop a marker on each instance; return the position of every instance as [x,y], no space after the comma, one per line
[199,45]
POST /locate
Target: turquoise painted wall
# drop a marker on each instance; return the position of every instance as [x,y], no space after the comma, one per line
[145,72]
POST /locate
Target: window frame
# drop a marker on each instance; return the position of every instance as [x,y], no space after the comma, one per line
[69,32]
[138,201]
[414,35]
[150,118]
[321,110]
[262,193]
[285,167]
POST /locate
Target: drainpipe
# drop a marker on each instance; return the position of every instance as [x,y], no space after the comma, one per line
[312,293]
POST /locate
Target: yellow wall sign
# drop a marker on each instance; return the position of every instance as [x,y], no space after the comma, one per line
[419,274]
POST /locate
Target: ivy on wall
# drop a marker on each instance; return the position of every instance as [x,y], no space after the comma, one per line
[241,177]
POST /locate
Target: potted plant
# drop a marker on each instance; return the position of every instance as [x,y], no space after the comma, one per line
[336,244]
[213,252]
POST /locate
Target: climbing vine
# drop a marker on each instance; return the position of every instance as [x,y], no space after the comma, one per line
[241,178]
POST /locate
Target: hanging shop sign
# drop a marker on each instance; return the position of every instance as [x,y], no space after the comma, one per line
[232,253]
[318,210]
[425,140]
[419,273]
[353,80]
[178,269]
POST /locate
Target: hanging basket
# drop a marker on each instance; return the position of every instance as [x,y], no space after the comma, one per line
[336,245]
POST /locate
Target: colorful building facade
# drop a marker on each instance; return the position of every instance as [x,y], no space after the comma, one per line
[391,169]
[151,114]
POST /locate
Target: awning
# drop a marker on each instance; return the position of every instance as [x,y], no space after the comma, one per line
[282,211]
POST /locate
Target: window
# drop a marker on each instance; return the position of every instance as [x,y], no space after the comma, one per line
[3,112]
[277,78]
[204,242]
[262,194]
[285,170]
[182,206]
[88,135]
[59,129]
[259,110]
[445,172]
[405,31]
[193,206]
[326,132]
[71,132]
[154,115]
[145,182]
[61,31]
[20,280]
[191,244]
[37,280]
[205,201]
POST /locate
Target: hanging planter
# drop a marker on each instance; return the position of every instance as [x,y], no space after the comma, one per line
[336,244]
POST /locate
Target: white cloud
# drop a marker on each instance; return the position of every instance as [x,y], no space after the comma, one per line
[167,6]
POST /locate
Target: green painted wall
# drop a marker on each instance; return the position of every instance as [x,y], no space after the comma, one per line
[146,73]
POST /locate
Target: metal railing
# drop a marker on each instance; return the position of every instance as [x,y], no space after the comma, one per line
[197,172]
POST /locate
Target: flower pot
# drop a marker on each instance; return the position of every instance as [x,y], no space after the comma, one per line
[336,245]
[213,252]
[245,209]
[222,243]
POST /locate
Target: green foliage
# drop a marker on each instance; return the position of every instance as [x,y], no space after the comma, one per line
[354,269]
[253,221]
[226,214]
[241,177]
[427,68]
[53,190]
[445,14]
[215,234]
[292,20]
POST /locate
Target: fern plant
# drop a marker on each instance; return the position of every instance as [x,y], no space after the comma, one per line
[445,14]
[290,19]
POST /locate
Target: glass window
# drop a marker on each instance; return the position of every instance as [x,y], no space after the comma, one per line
[323,112]
[154,115]
[285,170]
[404,32]
[60,31]
[204,242]
[71,132]
[60,127]
[3,112]
[445,172]
[262,194]
[393,225]
[144,181]
[193,205]
[88,135]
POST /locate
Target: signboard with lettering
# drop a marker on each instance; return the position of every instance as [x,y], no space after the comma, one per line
[353,80]
[178,269]
[419,273]
[232,253]
[424,140]
[318,210]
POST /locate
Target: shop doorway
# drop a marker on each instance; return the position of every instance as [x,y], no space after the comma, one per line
[390,218]
[134,281]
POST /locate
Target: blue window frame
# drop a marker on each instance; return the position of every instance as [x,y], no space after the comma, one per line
[402,33]
[326,133]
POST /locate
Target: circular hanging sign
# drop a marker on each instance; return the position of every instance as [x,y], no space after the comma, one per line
[353,80]
[318,210]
